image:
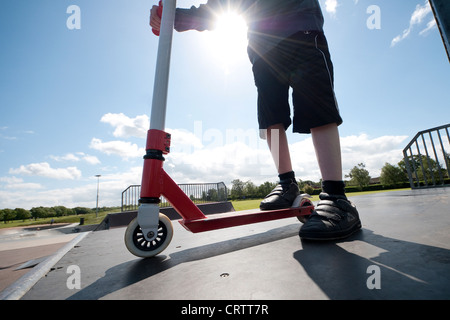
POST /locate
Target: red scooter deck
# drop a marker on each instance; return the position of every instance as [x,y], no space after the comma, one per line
[233,219]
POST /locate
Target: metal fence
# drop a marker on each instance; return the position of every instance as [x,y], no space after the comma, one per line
[427,158]
[130,198]
[198,192]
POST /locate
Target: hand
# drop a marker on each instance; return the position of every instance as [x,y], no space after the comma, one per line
[155,18]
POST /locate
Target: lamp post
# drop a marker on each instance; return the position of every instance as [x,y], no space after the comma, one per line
[98,184]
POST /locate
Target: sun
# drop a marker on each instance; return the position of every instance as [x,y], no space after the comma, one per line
[228,40]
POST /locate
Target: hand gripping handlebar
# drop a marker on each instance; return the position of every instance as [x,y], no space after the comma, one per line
[159,12]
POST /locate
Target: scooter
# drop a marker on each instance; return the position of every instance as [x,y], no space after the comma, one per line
[151,231]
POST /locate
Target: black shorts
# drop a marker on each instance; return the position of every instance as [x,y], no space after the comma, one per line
[301,62]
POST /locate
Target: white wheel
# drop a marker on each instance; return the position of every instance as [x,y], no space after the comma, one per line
[139,246]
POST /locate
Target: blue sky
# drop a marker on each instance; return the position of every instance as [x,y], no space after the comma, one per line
[75,103]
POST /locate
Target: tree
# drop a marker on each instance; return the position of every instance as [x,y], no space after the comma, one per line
[423,168]
[250,189]
[222,194]
[39,212]
[213,195]
[447,164]
[237,189]
[392,175]
[306,186]
[82,210]
[21,214]
[60,211]
[265,189]
[6,215]
[359,176]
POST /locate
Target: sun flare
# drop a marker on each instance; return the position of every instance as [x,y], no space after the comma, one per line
[228,41]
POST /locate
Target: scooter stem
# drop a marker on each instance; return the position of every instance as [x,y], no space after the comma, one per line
[158,141]
[159,103]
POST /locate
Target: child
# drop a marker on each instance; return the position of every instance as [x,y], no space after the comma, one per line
[288,49]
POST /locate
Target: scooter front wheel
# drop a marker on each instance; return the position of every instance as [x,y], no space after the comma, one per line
[141,247]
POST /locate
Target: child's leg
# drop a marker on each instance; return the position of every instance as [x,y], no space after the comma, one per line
[328,151]
[334,217]
[279,148]
[284,194]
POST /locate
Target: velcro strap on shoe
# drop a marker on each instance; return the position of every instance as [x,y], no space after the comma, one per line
[326,215]
[277,191]
[330,210]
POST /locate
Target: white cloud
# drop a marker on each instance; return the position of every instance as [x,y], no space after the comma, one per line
[7,137]
[203,158]
[200,156]
[126,126]
[221,163]
[373,152]
[418,16]
[91,159]
[420,13]
[331,6]
[67,157]
[43,169]
[183,139]
[254,162]
[78,156]
[124,149]
[138,127]
[430,25]
[18,184]
[15,193]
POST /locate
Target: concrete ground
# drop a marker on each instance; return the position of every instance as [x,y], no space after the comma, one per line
[402,252]
[22,248]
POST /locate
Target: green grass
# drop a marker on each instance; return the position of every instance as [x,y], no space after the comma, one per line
[240,205]
[89,219]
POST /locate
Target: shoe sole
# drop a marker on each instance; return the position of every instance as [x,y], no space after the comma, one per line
[318,236]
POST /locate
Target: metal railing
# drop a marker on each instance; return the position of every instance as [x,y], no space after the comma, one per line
[198,192]
[427,158]
[130,198]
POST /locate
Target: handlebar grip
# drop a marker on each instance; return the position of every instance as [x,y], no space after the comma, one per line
[159,12]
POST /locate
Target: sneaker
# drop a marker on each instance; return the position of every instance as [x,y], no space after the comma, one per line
[334,217]
[281,197]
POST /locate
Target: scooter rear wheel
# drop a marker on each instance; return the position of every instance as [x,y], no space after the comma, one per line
[141,247]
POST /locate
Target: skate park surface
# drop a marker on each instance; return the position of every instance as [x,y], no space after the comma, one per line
[401,252]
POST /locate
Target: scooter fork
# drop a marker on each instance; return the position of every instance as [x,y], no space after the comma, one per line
[148,219]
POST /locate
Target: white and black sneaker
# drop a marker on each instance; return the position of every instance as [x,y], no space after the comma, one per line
[334,217]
